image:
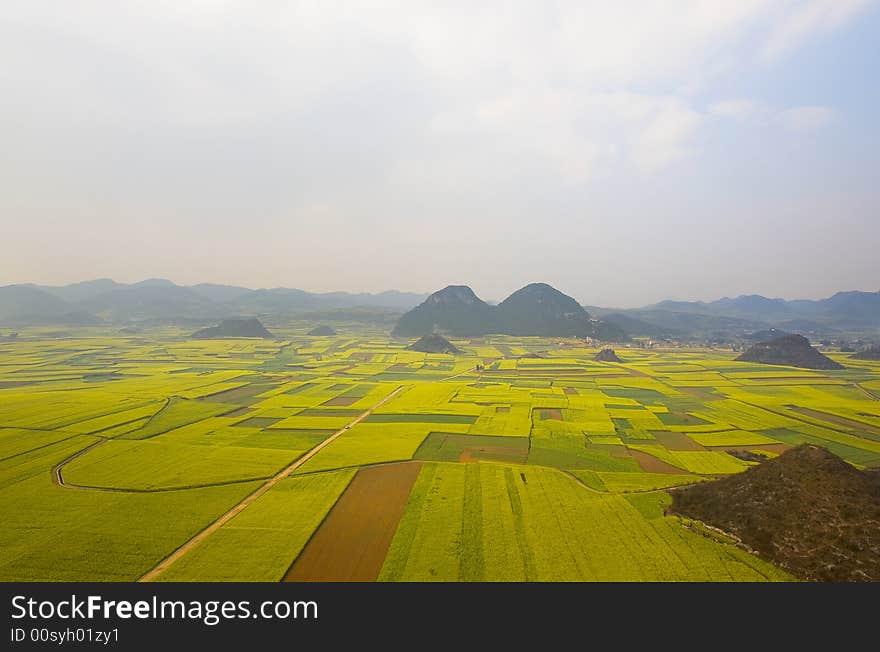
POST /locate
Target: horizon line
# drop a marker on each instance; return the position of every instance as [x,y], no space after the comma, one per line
[426,294]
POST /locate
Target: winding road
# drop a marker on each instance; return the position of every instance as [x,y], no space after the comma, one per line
[58,477]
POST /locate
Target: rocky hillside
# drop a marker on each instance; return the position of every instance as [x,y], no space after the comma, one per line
[807,510]
[234,328]
[537,309]
[540,309]
[789,350]
[607,355]
[455,310]
[434,343]
[322,331]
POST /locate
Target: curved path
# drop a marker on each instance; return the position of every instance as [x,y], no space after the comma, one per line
[166,563]
[57,476]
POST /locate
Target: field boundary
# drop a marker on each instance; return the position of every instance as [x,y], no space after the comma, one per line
[324,519]
[57,476]
[159,490]
[168,561]
[364,549]
[867,391]
[42,446]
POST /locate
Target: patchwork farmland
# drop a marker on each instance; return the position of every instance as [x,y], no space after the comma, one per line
[153,456]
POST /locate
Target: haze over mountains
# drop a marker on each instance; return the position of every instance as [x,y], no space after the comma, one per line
[860,308]
[106,301]
[844,311]
[160,299]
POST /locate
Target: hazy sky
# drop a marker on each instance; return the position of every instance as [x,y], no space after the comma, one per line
[623,151]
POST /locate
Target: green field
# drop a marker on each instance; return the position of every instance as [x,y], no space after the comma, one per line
[116,450]
[488,522]
[274,529]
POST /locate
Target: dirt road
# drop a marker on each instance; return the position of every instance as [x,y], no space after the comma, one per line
[58,477]
[166,563]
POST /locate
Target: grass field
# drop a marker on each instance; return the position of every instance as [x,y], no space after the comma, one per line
[115,451]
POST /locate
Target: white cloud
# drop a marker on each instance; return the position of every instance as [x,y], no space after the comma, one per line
[795,118]
[341,122]
[573,132]
[803,20]
[540,69]
[596,41]
[806,118]
[664,138]
[739,110]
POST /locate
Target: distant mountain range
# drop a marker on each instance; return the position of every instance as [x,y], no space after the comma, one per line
[104,300]
[853,311]
[536,309]
[845,309]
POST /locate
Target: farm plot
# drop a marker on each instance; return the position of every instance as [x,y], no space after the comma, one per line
[297,422]
[700,462]
[732,438]
[352,542]
[54,534]
[503,420]
[850,448]
[273,530]
[369,443]
[616,482]
[177,412]
[17,441]
[152,465]
[534,524]
[445,419]
[450,447]
[544,465]
[39,460]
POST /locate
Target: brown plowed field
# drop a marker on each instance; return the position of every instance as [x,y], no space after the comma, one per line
[651,464]
[341,401]
[676,441]
[850,424]
[549,413]
[351,543]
